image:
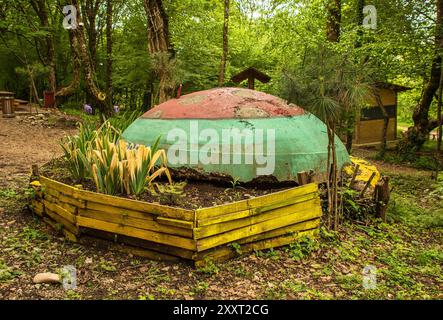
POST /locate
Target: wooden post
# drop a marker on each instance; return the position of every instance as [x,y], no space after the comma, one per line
[367,184]
[381,196]
[354,175]
[303,178]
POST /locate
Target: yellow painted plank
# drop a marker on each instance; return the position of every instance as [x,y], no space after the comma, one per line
[294,228]
[210,230]
[234,235]
[65,223]
[55,185]
[60,211]
[68,207]
[223,253]
[146,253]
[141,243]
[250,212]
[125,220]
[121,211]
[155,209]
[37,207]
[175,222]
[64,198]
[257,202]
[162,238]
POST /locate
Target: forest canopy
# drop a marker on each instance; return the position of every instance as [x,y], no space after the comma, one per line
[285,39]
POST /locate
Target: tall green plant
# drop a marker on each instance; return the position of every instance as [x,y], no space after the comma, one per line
[76,149]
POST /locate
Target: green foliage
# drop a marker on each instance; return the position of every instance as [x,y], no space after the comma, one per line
[7,273]
[113,165]
[209,267]
[168,193]
[124,119]
[76,149]
[303,247]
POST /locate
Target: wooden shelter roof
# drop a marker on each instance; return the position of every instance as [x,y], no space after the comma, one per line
[251,72]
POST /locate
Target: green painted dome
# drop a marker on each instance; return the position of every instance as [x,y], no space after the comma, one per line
[239,133]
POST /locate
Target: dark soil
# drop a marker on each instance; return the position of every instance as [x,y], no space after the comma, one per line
[196,193]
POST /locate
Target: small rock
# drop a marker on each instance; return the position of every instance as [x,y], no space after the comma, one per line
[46,277]
[88,260]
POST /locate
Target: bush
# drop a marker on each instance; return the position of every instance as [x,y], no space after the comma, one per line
[114,166]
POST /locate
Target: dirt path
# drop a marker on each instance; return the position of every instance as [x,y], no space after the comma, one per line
[25,142]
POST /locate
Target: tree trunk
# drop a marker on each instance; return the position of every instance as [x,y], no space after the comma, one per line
[439,115]
[221,77]
[334,20]
[40,7]
[333,35]
[350,123]
[98,97]
[109,50]
[63,93]
[385,123]
[417,135]
[159,45]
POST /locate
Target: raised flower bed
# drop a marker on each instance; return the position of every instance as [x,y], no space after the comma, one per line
[171,233]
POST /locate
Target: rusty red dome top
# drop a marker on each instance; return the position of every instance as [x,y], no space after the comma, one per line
[224,103]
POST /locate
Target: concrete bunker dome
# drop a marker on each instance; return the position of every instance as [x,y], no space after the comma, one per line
[238,133]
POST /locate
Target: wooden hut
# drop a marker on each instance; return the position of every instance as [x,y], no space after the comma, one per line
[370,120]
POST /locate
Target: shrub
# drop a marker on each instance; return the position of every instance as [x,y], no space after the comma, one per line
[76,148]
[113,165]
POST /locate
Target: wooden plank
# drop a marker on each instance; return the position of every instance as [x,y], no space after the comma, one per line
[257,202]
[65,223]
[210,230]
[250,212]
[58,186]
[121,211]
[68,207]
[226,252]
[37,207]
[293,228]
[155,209]
[64,198]
[146,253]
[175,222]
[163,238]
[234,235]
[60,211]
[135,242]
[145,224]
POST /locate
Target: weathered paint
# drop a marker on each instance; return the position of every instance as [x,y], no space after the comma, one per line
[300,143]
[224,103]
[300,138]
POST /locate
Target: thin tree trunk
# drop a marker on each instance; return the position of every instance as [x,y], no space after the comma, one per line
[99,97]
[109,49]
[40,7]
[439,115]
[334,20]
[63,93]
[385,123]
[350,123]
[333,35]
[417,135]
[224,57]
[159,44]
